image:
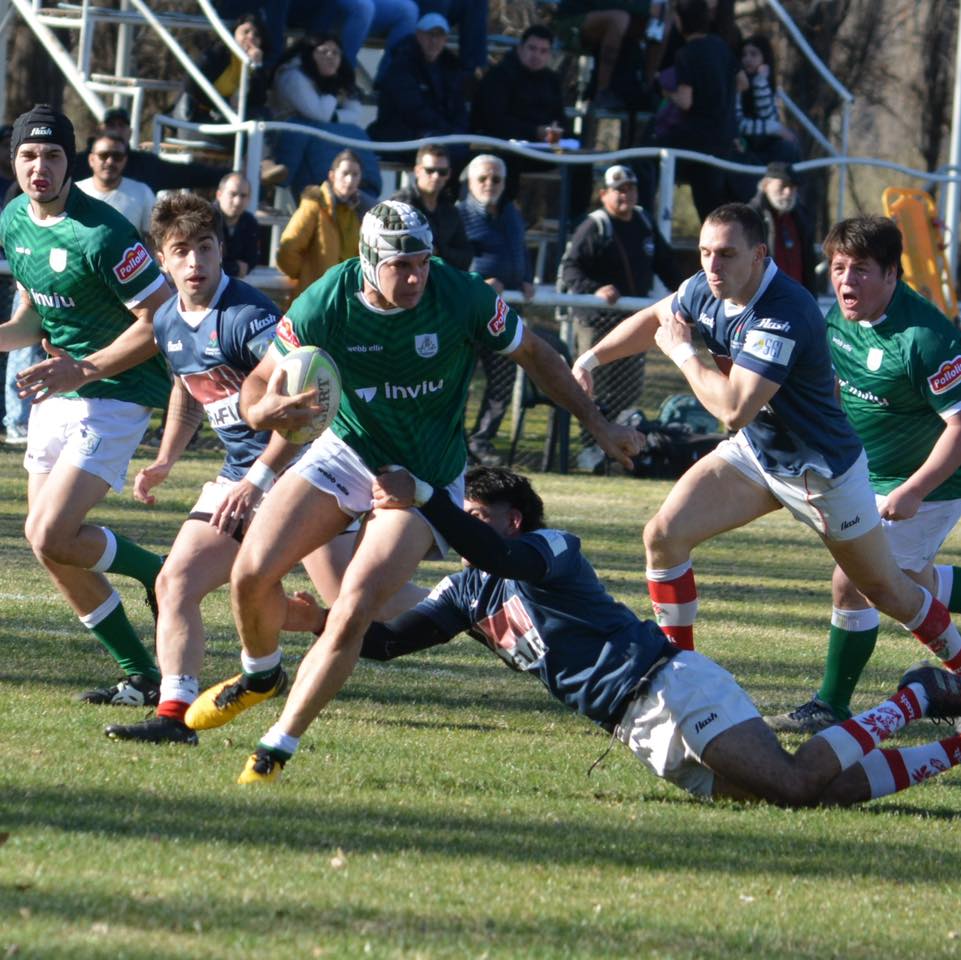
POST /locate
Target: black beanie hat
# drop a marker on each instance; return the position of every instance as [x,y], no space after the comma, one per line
[43,124]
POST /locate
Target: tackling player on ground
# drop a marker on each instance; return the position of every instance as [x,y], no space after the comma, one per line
[898,363]
[89,290]
[533,599]
[794,448]
[404,330]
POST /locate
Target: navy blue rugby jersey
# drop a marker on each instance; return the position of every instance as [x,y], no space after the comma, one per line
[589,650]
[781,336]
[212,352]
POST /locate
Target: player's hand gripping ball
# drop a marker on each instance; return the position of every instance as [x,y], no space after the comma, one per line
[308,368]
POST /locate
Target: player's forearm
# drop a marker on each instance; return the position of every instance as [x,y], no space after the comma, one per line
[22,329]
[633,335]
[279,452]
[407,633]
[733,401]
[480,545]
[942,462]
[184,415]
[251,393]
[135,345]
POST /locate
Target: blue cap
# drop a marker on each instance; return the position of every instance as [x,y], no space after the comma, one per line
[433,21]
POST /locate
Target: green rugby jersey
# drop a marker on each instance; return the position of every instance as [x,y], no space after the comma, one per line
[899,377]
[405,373]
[83,271]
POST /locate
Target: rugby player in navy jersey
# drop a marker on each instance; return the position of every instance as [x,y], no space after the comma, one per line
[772,381]
[213,332]
[532,598]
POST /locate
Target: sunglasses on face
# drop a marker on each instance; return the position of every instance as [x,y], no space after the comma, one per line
[493,178]
[110,155]
[437,171]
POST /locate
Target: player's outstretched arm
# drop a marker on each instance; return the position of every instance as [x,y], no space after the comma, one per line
[634,334]
[479,544]
[546,367]
[184,415]
[62,373]
[263,404]
[23,328]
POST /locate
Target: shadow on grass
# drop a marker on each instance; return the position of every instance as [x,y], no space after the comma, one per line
[725,846]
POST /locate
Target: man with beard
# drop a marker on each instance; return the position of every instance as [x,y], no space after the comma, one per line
[787,226]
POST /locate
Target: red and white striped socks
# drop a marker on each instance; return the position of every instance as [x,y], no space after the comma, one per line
[673,596]
[932,626]
[889,771]
[855,738]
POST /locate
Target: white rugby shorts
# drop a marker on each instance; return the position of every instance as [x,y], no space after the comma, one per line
[916,542]
[331,465]
[96,435]
[838,508]
[687,703]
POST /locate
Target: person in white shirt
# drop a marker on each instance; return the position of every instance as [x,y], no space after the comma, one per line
[135,200]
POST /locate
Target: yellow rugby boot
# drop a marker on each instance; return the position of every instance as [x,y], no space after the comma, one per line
[261,767]
[222,702]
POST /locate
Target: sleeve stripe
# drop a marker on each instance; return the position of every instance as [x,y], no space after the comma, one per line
[145,293]
[518,336]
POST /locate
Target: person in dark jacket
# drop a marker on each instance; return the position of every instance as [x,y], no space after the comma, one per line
[615,252]
[241,247]
[787,226]
[421,93]
[427,194]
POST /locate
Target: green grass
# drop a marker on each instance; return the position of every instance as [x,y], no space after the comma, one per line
[441,807]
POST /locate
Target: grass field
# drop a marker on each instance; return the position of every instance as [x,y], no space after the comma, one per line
[441,808]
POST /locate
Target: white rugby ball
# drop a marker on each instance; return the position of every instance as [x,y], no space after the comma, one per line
[308,368]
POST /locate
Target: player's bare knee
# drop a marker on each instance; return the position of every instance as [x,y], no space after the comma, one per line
[48,542]
[174,588]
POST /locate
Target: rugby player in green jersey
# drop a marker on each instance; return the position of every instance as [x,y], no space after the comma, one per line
[403,329]
[898,364]
[89,289]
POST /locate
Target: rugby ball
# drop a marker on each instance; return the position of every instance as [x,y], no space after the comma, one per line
[309,368]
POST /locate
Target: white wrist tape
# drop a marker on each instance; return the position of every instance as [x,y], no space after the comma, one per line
[423,491]
[587,361]
[682,353]
[260,475]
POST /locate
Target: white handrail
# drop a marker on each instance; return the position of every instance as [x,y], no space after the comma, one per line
[178,51]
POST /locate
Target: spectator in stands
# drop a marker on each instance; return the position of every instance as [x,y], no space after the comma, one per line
[496,232]
[470,19]
[355,20]
[428,194]
[611,29]
[241,246]
[314,86]
[421,93]
[762,138]
[325,228]
[708,78]
[720,22]
[160,174]
[615,252]
[788,230]
[224,71]
[108,160]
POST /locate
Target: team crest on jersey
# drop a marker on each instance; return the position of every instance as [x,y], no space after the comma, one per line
[875,356]
[426,345]
[285,332]
[946,377]
[498,323]
[58,260]
[134,261]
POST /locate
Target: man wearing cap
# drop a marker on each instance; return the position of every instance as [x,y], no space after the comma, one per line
[89,290]
[615,252]
[421,93]
[787,227]
[403,329]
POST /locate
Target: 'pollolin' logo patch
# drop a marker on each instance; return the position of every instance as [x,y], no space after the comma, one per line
[133,262]
[498,323]
[948,375]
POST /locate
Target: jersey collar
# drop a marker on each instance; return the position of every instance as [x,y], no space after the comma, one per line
[732,309]
[193,318]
